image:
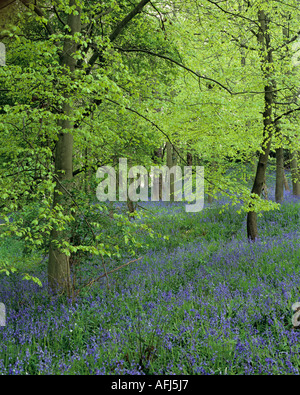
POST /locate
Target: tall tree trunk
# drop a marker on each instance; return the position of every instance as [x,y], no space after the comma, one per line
[157,157]
[286,36]
[189,158]
[266,63]
[279,175]
[210,198]
[295,173]
[210,186]
[285,182]
[171,161]
[130,204]
[58,265]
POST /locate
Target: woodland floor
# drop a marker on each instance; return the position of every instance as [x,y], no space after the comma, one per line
[205,301]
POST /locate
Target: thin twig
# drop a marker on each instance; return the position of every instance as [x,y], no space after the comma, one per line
[88,284]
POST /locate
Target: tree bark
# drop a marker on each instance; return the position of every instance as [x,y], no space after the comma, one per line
[157,157]
[295,173]
[210,186]
[171,161]
[285,182]
[59,279]
[279,175]
[266,64]
[189,158]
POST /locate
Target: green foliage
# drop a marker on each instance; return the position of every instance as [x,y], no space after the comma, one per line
[12,261]
[189,72]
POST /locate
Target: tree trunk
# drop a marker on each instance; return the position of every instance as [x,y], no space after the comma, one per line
[171,161]
[189,159]
[210,186]
[279,175]
[58,266]
[266,64]
[295,173]
[157,157]
[130,204]
[285,182]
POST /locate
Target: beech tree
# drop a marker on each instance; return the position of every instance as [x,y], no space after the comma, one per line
[74,35]
[251,55]
[72,67]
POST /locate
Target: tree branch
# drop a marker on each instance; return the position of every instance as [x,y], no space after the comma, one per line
[39,12]
[119,28]
[168,138]
[151,122]
[242,45]
[127,19]
[194,72]
[175,62]
[235,15]
[58,16]
[285,114]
